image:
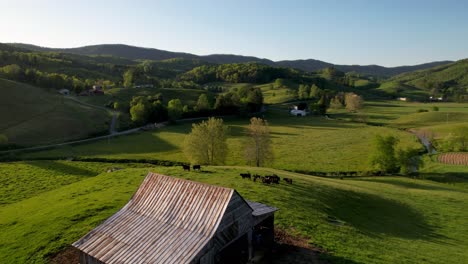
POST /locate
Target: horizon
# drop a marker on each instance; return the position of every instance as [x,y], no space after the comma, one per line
[233,54]
[389,33]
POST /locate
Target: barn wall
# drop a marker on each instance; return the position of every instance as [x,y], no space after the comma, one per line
[237,220]
[87,259]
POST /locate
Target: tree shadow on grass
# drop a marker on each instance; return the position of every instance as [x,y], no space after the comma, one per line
[63,168]
[449,177]
[370,214]
[131,144]
[410,185]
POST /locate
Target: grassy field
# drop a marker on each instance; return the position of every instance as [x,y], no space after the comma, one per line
[305,144]
[405,114]
[32,116]
[364,220]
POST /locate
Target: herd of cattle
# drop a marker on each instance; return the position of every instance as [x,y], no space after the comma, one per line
[267,179]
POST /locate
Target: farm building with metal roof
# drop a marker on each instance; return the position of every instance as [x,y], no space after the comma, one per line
[171,220]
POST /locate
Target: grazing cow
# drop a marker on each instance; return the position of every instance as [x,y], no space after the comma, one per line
[266,180]
[273,178]
[196,167]
[288,180]
[245,175]
[186,167]
[255,177]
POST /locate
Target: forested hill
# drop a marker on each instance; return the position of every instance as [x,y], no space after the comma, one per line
[448,81]
[132,52]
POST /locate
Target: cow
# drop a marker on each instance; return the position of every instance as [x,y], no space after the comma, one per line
[273,178]
[266,180]
[196,167]
[186,167]
[245,175]
[288,180]
[255,177]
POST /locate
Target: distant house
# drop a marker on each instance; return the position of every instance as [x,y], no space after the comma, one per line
[171,220]
[299,110]
[436,99]
[296,112]
[403,99]
[64,92]
[97,88]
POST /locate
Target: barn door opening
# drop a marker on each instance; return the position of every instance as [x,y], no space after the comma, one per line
[235,253]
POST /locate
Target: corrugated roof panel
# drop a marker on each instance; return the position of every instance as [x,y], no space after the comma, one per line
[168,220]
[261,209]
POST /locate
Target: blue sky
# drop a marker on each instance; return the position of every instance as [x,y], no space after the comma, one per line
[388,33]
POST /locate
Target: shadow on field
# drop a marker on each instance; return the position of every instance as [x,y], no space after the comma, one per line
[62,168]
[450,177]
[410,185]
[371,214]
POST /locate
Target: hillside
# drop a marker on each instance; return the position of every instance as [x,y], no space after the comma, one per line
[448,81]
[365,220]
[30,116]
[132,52]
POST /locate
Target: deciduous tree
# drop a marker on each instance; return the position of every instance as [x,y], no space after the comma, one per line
[203,103]
[175,109]
[353,102]
[258,144]
[206,143]
[383,156]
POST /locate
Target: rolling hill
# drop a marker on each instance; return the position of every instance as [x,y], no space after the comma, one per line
[30,116]
[135,53]
[364,220]
[448,81]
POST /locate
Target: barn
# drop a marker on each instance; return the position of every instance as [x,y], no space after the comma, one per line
[172,220]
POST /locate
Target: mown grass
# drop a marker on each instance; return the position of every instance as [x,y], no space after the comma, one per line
[33,116]
[405,114]
[304,144]
[365,220]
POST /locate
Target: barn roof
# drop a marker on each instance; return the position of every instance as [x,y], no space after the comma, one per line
[168,220]
[260,209]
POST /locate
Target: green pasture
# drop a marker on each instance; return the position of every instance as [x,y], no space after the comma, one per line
[35,116]
[405,114]
[363,220]
[309,143]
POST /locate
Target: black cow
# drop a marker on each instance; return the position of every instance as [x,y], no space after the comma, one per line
[245,175]
[273,178]
[266,180]
[186,167]
[288,180]
[196,167]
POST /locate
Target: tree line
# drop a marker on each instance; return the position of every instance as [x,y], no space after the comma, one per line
[238,73]
[150,109]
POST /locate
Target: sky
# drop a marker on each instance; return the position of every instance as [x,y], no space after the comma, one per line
[383,32]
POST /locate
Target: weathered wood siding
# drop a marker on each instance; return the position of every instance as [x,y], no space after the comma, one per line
[237,221]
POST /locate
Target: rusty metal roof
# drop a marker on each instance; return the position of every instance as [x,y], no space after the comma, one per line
[168,220]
